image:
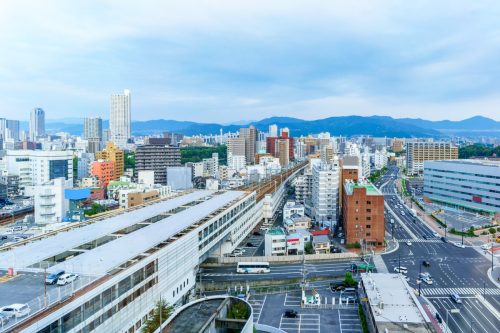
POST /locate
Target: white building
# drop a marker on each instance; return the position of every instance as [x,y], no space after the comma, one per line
[197,169]
[211,166]
[325,193]
[275,242]
[236,162]
[294,244]
[179,178]
[380,158]
[295,223]
[146,177]
[50,203]
[37,123]
[120,118]
[273,131]
[36,167]
[292,208]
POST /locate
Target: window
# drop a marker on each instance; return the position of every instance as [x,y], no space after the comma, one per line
[368,226]
[368,218]
[368,202]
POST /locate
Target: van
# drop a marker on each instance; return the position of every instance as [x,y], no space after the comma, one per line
[15,310]
[53,277]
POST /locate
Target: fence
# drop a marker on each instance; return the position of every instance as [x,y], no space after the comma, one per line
[52,297]
[293,258]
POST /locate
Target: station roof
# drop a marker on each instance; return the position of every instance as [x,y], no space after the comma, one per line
[106,257]
[37,251]
[391,299]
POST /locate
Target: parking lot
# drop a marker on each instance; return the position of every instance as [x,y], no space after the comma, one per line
[270,310]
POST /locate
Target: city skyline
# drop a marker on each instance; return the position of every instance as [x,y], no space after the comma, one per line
[226,61]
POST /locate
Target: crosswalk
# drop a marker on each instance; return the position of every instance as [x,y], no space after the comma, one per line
[419,240]
[460,291]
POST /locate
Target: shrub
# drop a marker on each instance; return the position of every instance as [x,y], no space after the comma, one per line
[492,231]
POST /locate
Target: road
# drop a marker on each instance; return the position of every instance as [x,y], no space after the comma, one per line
[278,271]
[453,269]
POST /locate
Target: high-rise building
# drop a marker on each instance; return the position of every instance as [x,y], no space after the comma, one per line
[420,151]
[325,193]
[250,136]
[37,123]
[120,118]
[104,171]
[363,213]
[157,158]
[283,151]
[92,132]
[112,153]
[9,129]
[273,130]
[464,184]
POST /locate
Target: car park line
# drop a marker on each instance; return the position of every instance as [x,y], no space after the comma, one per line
[257,305]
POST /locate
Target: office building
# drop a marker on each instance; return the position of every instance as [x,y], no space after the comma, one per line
[37,123]
[36,167]
[363,213]
[92,132]
[273,130]
[464,184]
[397,145]
[114,154]
[50,204]
[9,129]
[420,151]
[236,147]
[325,193]
[120,119]
[157,158]
[250,136]
[283,151]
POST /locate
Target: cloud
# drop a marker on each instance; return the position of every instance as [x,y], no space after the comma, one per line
[228,60]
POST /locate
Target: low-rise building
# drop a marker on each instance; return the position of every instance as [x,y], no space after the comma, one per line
[292,208]
[275,242]
[297,222]
[294,244]
[50,204]
[321,244]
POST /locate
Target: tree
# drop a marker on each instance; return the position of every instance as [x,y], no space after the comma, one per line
[162,310]
[129,160]
[308,248]
[349,280]
[492,231]
[238,311]
[95,208]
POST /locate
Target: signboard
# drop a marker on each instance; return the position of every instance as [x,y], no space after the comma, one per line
[477,199]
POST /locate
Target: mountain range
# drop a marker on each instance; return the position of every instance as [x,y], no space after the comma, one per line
[378,126]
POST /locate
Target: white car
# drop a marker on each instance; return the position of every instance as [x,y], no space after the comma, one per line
[427,280]
[66,278]
[458,244]
[435,234]
[15,310]
[486,246]
[401,269]
[408,243]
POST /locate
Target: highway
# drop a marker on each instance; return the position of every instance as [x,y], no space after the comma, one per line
[453,269]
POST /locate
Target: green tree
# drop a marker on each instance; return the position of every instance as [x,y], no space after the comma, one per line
[75,167]
[349,280]
[161,313]
[129,160]
[308,248]
[196,154]
[492,231]
[95,208]
[238,311]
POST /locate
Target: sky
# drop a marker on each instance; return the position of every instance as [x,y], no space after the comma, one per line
[230,60]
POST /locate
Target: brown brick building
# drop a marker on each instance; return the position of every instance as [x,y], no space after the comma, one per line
[363,213]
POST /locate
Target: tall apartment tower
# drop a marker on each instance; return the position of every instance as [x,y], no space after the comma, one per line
[420,151]
[119,120]
[92,132]
[325,193]
[250,136]
[37,123]
[273,130]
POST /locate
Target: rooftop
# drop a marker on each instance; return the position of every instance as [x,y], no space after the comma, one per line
[320,239]
[276,231]
[478,162]
[349,186]
[392,299]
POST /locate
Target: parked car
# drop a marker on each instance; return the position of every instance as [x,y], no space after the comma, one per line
[458,244]
[426,263]
[3,237]
[435,234]
[337,285]
[456,298]
[250,245]
[256,233]
[290,314]
[486,246]
[444,239]
[66,278]
[15,310]
[53,277]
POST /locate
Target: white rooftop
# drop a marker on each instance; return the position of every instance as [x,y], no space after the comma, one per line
[392,299]
[104,258]
[32,253]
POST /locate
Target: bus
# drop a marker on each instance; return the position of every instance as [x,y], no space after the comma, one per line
[253,267]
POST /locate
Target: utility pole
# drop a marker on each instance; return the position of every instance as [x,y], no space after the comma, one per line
[462,233]
[419,280]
